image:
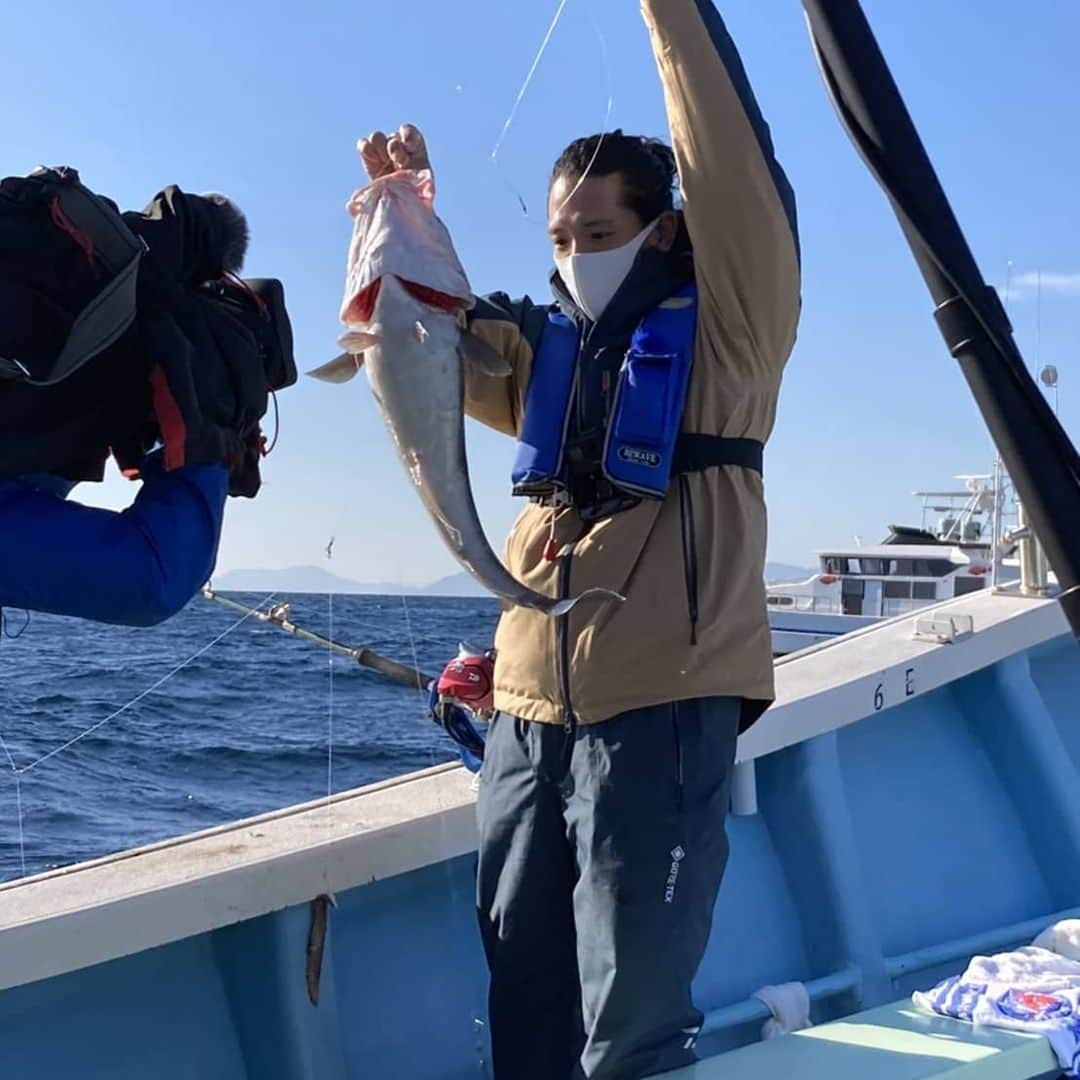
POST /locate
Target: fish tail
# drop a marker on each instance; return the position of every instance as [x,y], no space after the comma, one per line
[561,607]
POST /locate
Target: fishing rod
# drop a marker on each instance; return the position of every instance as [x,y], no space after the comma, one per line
[1038,454]
[277,616]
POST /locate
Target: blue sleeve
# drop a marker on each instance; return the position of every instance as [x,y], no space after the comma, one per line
[135,567]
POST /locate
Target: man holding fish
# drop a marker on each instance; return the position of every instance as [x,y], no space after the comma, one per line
[640,400]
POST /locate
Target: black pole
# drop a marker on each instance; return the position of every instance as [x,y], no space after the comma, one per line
[1038,454]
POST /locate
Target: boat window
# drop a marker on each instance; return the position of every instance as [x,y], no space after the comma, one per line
[781,601]
[898,590]
[933,567]
[968,585]
[924,590]
[851,599]
[875,567]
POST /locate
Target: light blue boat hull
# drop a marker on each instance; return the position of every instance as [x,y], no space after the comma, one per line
[883,854]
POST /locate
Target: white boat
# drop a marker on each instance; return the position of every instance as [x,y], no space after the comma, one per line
[962,545]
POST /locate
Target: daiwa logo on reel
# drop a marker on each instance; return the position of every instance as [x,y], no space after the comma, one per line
[634,455]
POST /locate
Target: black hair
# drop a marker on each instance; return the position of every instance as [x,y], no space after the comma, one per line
[646,165]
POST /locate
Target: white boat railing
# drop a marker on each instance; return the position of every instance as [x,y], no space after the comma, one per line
[822,605]
[901,606]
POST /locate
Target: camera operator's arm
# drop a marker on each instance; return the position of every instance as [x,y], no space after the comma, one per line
[135,567]
[206,349]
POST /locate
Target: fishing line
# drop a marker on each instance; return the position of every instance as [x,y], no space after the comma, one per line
[7,754]
[330,709]
[456,896]
[139,697]
[18,805]
[528,80]
[22,839]
[145,693]
[412,645]
[19,771]
[605,126]
[5,627]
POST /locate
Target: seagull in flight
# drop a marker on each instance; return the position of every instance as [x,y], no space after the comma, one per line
[330,548]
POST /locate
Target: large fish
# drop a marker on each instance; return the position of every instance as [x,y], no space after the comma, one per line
[414,355]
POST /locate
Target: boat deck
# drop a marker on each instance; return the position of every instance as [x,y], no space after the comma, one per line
[893,1042]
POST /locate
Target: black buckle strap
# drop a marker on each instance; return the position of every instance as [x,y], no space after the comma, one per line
[695,452]
[594,496]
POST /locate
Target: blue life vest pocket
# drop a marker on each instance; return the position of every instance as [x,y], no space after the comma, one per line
[643,400]
[646,420]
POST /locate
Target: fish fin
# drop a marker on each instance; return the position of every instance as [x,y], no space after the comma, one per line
[356,341]
[478,354]
[561,607]
[339,370]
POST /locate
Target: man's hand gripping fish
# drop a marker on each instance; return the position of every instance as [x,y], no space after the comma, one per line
[405,289]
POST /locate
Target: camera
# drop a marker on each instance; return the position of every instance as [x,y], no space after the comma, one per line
[259,304]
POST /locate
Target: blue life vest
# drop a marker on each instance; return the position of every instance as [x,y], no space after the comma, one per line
[643,444]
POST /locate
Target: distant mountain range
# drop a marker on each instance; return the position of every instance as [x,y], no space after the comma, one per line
[314,579]
[776,572]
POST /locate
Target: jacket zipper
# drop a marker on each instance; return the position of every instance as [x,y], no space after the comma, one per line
[562,653]
[562,633]
[689,545]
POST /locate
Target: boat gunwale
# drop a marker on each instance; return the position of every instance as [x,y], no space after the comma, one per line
[92,912]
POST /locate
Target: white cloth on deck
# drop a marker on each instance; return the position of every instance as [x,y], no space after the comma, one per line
[1030,989]
[789,1004]
[1063,938]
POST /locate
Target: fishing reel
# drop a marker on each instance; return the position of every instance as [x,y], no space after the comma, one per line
[463,694]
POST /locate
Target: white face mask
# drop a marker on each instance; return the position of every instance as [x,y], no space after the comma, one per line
[593,277]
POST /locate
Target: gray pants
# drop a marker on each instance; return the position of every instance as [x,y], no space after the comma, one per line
[601,854]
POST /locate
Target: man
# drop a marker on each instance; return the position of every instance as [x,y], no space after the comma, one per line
[607,768]
[176,399]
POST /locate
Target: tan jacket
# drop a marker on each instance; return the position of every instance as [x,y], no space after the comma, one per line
[740,215]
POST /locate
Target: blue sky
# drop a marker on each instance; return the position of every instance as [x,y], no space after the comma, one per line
[265,102]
